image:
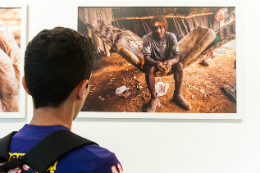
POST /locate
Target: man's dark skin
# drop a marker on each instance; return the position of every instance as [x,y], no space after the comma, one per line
[173,64]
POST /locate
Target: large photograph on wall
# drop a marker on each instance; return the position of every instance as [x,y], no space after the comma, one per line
[179,60]
[12,42]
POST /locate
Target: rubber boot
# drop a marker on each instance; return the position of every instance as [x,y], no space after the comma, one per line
[178,99]
[153,104]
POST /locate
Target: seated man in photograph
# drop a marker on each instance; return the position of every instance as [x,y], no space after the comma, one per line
[58,64]
[161,51]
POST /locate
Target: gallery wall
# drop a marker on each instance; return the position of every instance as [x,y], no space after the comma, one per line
[167,146]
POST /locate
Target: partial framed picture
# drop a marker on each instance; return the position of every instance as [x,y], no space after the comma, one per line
[13,19]
[178,62]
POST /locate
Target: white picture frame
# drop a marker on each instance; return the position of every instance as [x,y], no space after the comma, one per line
[240,69]
[23,39]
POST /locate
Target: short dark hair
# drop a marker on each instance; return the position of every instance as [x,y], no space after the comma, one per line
[56,61]
[159,18]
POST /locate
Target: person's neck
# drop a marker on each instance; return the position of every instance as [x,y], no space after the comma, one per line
[48,116]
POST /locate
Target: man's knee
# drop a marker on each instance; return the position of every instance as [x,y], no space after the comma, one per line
[178,68]
[149,70]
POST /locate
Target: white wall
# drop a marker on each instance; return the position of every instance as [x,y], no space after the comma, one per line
[166,146]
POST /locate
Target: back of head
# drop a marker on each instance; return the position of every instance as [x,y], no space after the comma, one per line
[56,61]
[159,19]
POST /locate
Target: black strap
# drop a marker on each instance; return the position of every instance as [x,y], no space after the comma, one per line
[52,148]
[12,164]
[4,147]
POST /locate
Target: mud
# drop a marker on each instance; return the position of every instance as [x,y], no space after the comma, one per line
[201,86]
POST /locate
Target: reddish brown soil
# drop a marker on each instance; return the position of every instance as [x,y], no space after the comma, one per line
[201,86]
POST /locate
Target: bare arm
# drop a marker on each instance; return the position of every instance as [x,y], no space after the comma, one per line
[175,52]
[150,61]
[9,73]
[10,47]
[172,61]
[9,90]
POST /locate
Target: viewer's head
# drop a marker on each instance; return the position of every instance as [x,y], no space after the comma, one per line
[159,26]
[56,61]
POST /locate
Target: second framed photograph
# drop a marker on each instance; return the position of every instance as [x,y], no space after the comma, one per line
[180,61]
[13,18]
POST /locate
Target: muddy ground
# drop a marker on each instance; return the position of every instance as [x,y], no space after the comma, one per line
[201,86]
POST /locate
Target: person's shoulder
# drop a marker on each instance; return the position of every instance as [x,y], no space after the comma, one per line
[97,151]
[90,157]
[170,35]
[148,36]
[107,160]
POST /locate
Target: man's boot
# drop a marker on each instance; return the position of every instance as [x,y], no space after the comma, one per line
[178,99]
[204,62]
[153,104]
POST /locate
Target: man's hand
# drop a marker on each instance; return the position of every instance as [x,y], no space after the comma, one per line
[151,62]
[163,68]
[168,65]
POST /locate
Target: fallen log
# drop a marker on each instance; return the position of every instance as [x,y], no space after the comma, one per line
[230,91]
[225,35]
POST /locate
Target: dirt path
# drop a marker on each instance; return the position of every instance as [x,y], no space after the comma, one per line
[201,86]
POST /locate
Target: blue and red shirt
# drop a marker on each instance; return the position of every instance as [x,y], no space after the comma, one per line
[88,159]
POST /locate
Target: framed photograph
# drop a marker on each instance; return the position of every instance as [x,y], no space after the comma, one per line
[178,61]
[13,17]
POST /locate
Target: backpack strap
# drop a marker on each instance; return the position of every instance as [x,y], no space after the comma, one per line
[49,150]
[4,146]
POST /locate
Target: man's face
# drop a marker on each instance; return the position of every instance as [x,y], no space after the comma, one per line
[158,32]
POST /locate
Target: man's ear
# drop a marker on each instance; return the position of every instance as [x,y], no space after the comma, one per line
[82,88]
[25,86]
